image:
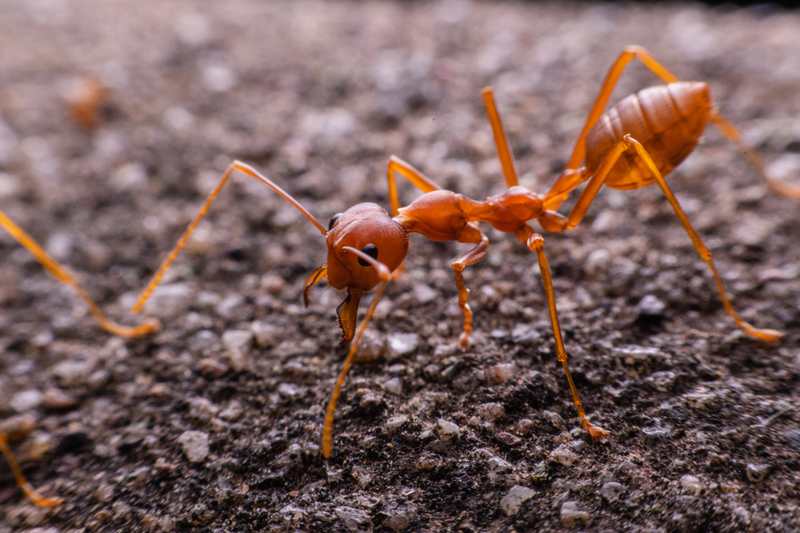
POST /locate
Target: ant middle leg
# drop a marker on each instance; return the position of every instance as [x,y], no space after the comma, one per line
[535,243]
[471,234]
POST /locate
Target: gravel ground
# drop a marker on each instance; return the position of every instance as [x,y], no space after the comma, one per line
[214,424]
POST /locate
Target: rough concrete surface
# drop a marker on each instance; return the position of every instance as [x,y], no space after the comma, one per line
[214,424]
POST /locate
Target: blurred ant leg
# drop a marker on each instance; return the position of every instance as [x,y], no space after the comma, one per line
[417,178]
[767,335]
[500,138]
[733,134]
[554,222]
[60,273]
[22,482]
[535,243]
[245,169]
[471,234]
[627,55]
[383,272]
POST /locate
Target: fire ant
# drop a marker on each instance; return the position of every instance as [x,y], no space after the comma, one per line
[635,144]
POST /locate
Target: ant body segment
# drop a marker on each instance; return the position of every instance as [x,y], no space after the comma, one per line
[635,144]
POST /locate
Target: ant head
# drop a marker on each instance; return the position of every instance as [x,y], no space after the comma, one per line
[369,228]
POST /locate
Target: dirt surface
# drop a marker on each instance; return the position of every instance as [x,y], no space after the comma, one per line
[703,420]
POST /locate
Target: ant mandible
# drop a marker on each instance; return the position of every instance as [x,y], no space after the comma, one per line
[635,144]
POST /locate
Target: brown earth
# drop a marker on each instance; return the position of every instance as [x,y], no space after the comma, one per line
[703,420]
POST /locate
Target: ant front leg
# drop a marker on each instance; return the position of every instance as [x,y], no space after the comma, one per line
[22,482]
[535,243]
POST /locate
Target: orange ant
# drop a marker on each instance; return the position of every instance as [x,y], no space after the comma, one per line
[633,145]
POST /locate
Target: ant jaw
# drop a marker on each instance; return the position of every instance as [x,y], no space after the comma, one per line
[347,314]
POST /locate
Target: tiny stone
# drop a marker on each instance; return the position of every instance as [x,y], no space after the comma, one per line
[212,368]
[98,379]
[291,391]
[232,412]
[491,411]
[570,515]
[651,307]
[508,439]
[266,334]
[554,418]
[228,307]
[432,372]
[42,443]
[236,339]
[71,372]
[792,437]
[394,385]
[564,455]
[513,500]
[354,519]
[498,466]
[509,308]
[611,491]
[403,343]
[501,373]
[58,399]
[19,426]
[578,445]
[424,294]
[396,422]
[757,472]
[168,301]
[399,520]
[692,485]
[448,429]
[103,493]
[26,400]
[195,445]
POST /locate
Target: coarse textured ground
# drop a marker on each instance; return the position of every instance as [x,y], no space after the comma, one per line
[703,420]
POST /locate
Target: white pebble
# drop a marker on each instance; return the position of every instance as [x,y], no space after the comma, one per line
[195,445]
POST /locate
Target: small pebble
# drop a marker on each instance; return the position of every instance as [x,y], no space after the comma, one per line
[26,400]
[41,444]
[266,334]
[611,491]
[757,472]
[212,368]
[570,515]
[403,343]
[228,307]
[396,422]
[564,455]
[513,500]
[291,391]
[354,519]
[232,412]
[71,372]
[491,411]
[508,439]
[651,307]
[58,399]
[169,301]
[394,386]
[447,429]
[424,294]
[498,466]
[237,339]
[692,485]
[194,445]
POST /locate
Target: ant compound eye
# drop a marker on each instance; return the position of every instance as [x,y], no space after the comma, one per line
[372,251]
[333,220]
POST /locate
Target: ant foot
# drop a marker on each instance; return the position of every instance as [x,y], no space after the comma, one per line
[463,340]
[770,336]
[596,432]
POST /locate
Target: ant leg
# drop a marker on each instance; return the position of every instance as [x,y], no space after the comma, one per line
[535,243]
[61,274]
[471,234]
[245,169]
[417,178]
[734,135]
[500,138]
[385,275]
[554,222]
[767,335]
[22,482]
[627,55]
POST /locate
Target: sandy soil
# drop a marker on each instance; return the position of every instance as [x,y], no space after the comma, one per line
[703,420]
